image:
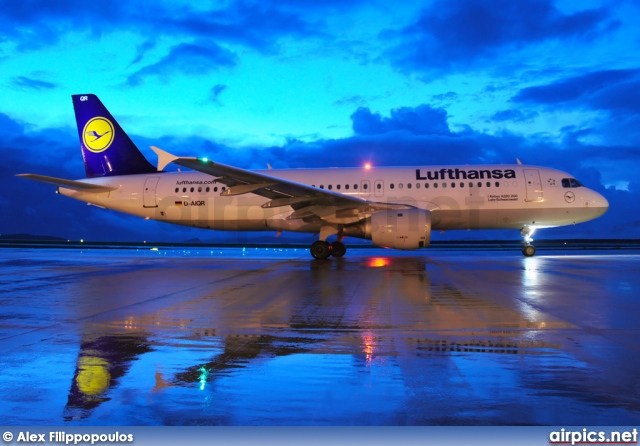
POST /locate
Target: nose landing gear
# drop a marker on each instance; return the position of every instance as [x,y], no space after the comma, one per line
[528,250]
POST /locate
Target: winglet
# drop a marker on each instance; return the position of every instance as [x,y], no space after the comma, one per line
[519,162]
[164,158]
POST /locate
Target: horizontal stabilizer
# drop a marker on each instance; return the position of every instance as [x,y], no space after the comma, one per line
[68,184]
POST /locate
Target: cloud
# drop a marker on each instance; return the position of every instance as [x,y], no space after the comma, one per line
[142,50]
[349,101]
[187,58]
[513,115]
[580,88]
[614,93]
[33,24]
[454,35]
[34,84]
[421,120]
[215,93]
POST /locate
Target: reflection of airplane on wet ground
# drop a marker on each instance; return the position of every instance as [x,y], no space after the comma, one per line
[394,207]
[401,316]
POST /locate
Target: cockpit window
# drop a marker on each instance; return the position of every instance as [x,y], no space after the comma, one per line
[571,182]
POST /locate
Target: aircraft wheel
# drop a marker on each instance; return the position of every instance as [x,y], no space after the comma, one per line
[529,250]
[320,250]
[338,249]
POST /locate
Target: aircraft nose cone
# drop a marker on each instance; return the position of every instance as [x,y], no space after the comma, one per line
[601,203]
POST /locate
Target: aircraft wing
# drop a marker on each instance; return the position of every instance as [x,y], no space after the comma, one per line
[307,201]
[68,184]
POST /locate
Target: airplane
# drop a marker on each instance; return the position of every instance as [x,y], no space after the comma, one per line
[394,207]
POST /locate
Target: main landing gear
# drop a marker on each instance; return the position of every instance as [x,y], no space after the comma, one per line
[322,250]
[527,249]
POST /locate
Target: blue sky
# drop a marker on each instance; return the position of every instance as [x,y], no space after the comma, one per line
[305,84]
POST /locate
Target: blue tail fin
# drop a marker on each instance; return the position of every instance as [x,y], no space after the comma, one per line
[106,148]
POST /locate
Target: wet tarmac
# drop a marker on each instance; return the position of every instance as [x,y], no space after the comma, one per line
[269,337]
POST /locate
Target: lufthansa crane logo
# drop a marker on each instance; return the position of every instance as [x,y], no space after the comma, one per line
[98,134]
[569,197]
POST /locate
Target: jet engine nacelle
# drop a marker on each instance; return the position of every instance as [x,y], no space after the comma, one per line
[404,229]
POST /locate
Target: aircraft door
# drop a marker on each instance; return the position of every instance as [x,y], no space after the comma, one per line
[378,188]
[365,188]
[533,185]
[149,193]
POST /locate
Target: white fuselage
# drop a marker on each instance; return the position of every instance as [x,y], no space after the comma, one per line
[459,197]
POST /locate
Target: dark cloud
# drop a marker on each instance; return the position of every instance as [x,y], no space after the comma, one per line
[216,91]
[141,50]
[33,24]
[615,93]
[254,24]
[453,35]
[421,120]
[188,59]
[513,115]
[576,88]
[448,96]
[34,84]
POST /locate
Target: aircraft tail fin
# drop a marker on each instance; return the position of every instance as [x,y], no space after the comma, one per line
[106,149]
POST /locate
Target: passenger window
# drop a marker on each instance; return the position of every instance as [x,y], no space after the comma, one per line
[426,185]
[497,183]
[417,185]
[392,186]
[322,186]
[355,187]
[215,189]
[435,185]
[223,188]
[338,187]
[192,189]
[365,186]
[400,185]
[177,190]
[470,184]
[330,187]
[184,189]
[379,186]
[479,184]
[200,189]
[444,184]
[408,185]
[453,184]
[488,183]
[208,188]
[461,184]
[346,186]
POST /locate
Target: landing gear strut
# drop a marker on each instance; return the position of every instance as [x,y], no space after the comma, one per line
[528,250]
